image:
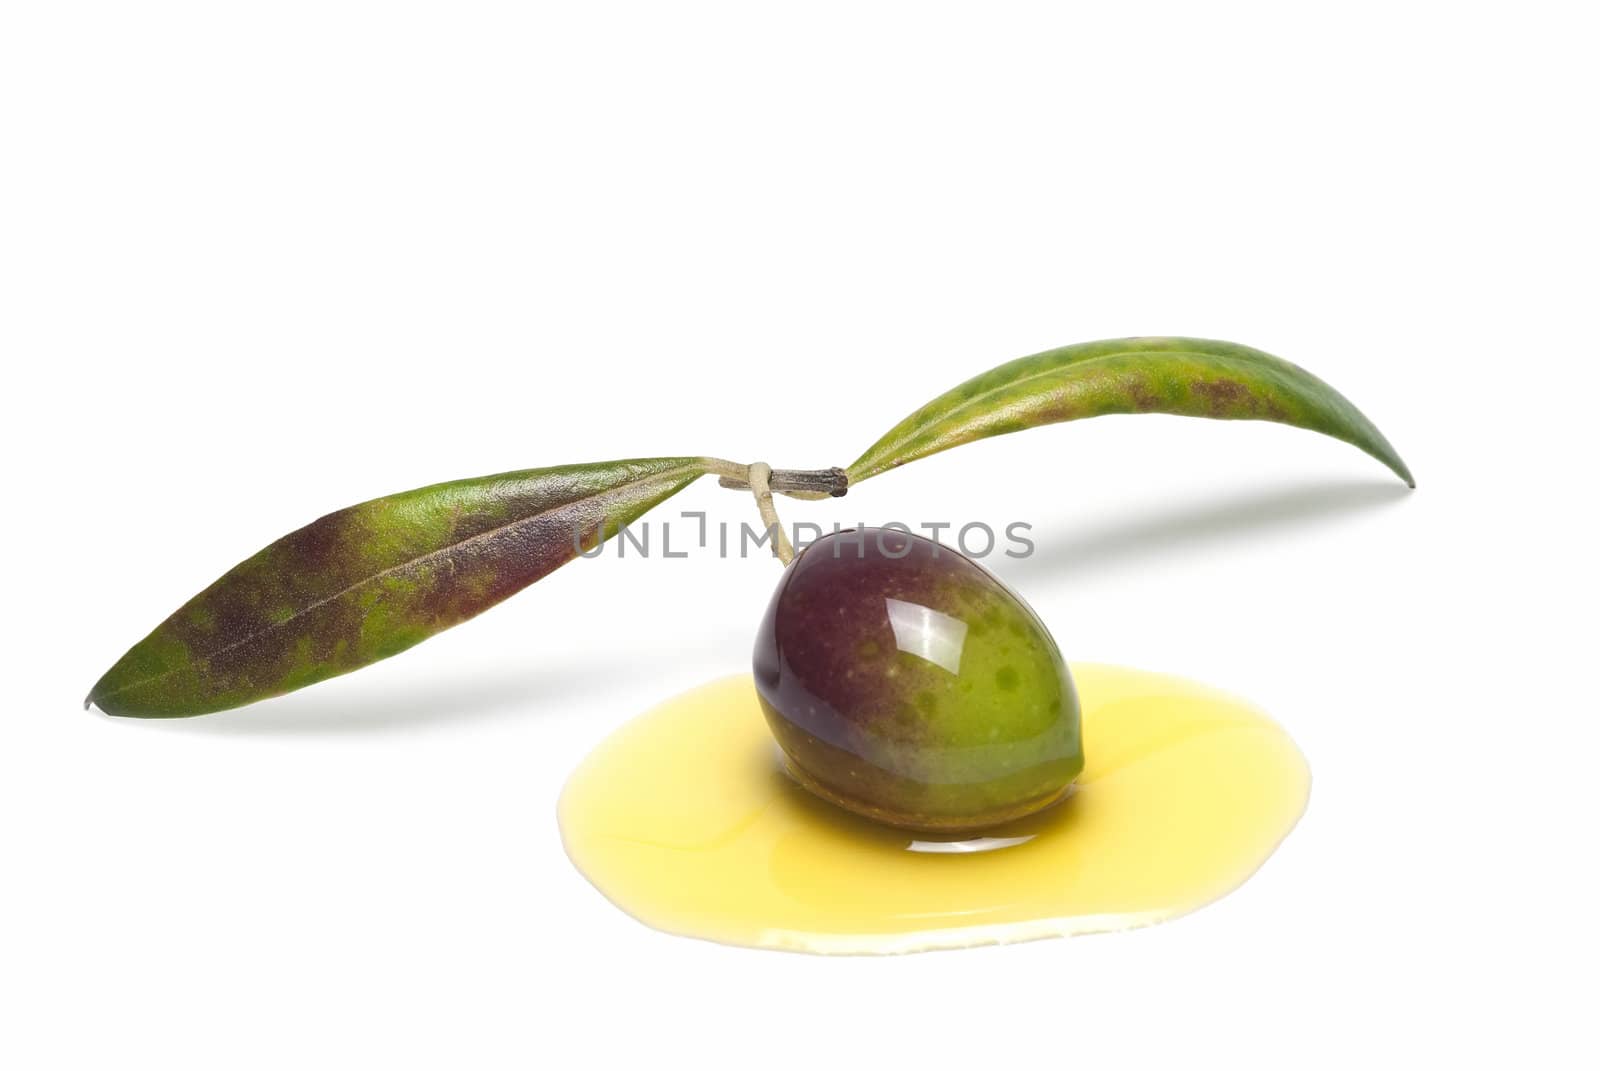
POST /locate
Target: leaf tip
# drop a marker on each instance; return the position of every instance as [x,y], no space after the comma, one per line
[97,694]
[1399,468]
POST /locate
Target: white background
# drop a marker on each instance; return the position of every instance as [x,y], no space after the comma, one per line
[261,261]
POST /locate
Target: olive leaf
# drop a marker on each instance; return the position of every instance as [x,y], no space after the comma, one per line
[1183,376]
[370,581]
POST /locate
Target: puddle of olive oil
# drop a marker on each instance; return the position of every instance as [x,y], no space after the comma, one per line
[685,819]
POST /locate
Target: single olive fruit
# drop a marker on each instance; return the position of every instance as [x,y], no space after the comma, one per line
[906,683]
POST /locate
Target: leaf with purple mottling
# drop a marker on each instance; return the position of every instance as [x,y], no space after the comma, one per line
[1182,376]
[370,581]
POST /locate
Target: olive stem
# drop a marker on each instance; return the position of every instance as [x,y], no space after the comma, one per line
[759,477]
[810,484]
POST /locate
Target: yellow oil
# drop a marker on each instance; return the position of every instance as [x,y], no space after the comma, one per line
[685,819]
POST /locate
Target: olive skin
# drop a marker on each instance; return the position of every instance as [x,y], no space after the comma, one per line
[906,683]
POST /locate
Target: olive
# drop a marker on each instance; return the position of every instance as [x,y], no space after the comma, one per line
[906,683]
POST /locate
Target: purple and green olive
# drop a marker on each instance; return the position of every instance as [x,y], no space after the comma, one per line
[906,683]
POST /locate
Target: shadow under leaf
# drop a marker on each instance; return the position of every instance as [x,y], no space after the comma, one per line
[452,698]
[1162,534]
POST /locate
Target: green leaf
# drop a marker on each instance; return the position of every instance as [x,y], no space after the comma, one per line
[1184,376]
[370,581]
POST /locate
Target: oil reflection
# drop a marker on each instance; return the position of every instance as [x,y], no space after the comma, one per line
[964,847]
